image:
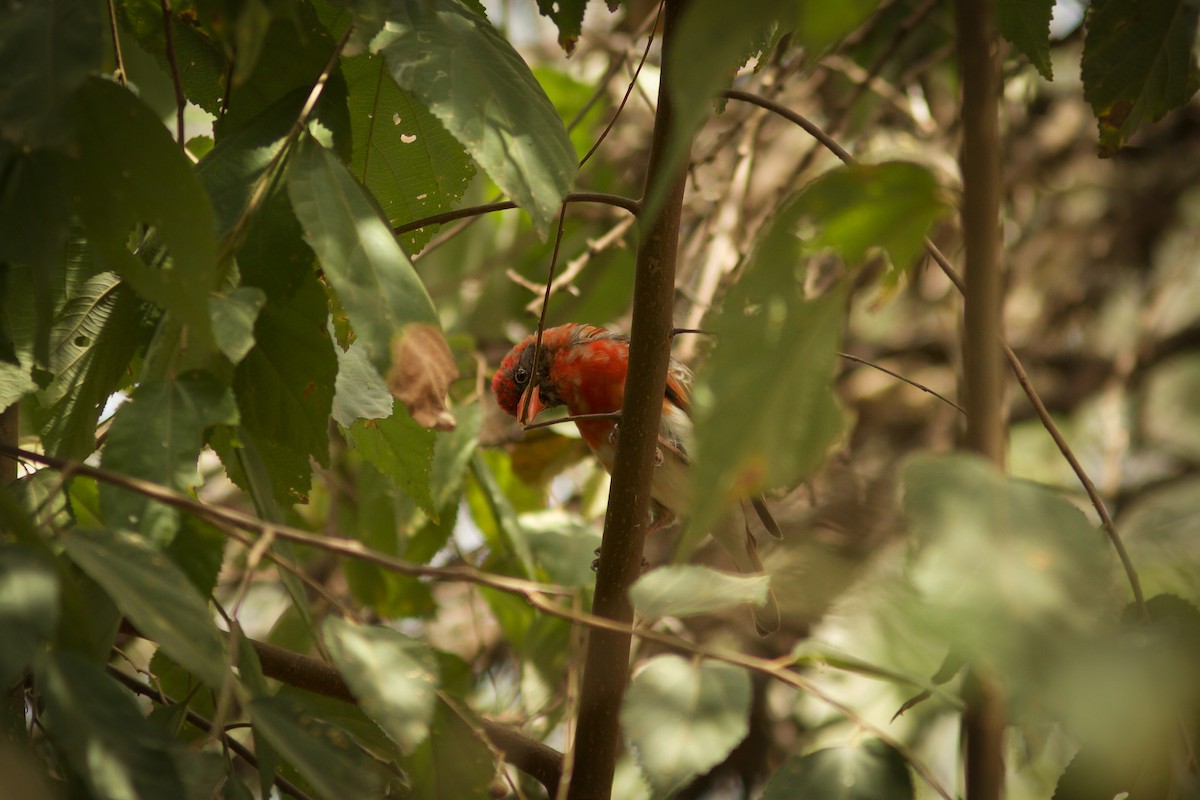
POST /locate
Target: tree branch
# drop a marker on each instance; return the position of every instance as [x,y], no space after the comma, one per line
[606,669]
[629,204]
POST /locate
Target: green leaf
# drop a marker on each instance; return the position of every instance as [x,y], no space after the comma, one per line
[388,306]
[394,677]
[109,743]
[568,16]
[402,450]
[284,389]
[130,172]
[682,718]
[155,595]
[403,155]
[472,80]
[1026,24]
[867,770]
[322,753]
[95,336]
[1008,573]
[28,608]
[233,317]
[855,208]
[47,50]
[34,217]
[686,590]
[201,64]
[776,436]
[563,546]
[1138,63]
[819,25]
[451,762]
[157,436]
[359,391]
[199,550]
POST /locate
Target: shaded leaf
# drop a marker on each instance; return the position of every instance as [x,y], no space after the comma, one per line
[155,595]
[157,436]
[322,753]
[567,15]
[472,80]
[388,306]
[201,64]
[682,718]
[285,386]
[1026,24]
[451,762]
[563,546]
[28,608]
[405,157]
[867,770]
[130,172]
[113,748]
[402,450]
[686,590]
[47,50]
[1138,63]
[393,676]
[819,25]
[199,550]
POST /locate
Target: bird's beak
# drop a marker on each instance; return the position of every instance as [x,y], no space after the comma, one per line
[531,404]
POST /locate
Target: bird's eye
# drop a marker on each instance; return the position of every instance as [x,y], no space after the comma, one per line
[521,376]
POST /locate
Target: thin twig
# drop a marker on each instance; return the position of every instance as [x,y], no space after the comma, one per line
[119,74]
[898,376]
[608,415]
[180,100]
[627,203]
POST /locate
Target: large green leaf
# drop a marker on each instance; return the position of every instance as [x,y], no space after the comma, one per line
[394,677]
[452,761]
[119,755]
[685,590]
[155,595]
[33,231]
[157,436]
[402,450]
[483,92]
[683,717]
[46,50]
[322,753]
[1026,23]
[285,386]
[359,392]
[28,607]
[406,158]
[1007,572]
[1138,63]
[201,64]
[388,306]
[130,172]
[866,770]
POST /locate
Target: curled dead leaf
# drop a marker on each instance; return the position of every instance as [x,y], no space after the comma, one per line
[420,374]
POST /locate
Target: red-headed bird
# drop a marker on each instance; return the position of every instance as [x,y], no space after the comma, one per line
[583,367]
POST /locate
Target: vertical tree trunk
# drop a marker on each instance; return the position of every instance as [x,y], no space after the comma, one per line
[984,719]
[606,669]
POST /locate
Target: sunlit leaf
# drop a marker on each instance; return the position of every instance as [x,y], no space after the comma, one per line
[1026,24]
[233,317]
[683,717]
[322,753]
[867,770]
[472,80]
[129,173]
[412,166]
[359,391]
[155,595]
[1138,63]
[686,590]
[157,436]
[47,50]
[393,676]
[28,607]
[388,306]
[119,755]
